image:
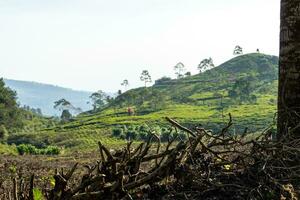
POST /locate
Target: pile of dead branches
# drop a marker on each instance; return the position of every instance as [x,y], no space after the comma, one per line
[205,166]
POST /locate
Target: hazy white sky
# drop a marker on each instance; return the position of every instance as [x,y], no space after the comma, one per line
[95,44]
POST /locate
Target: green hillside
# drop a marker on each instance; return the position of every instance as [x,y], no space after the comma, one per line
[244,86]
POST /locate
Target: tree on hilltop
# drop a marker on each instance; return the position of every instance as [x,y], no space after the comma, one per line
[206,64]
[125,83]
[238,50]
[145,77]
[179,69]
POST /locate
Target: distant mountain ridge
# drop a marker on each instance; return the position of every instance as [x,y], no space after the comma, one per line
[40,95]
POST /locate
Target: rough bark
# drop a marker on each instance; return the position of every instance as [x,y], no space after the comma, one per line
[289,70]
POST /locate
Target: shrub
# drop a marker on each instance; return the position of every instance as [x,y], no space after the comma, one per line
[26,149]
[26,139]
[37,194]
[131,135]
[32,150]
[66,116]
[52,150]
[143,135]
[143,128]
[122,136]
[117,132]
[131,128]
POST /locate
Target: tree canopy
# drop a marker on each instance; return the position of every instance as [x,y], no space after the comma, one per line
[179,69]
[145,77]
[99,99]
[10,114]
[238,50]
[206,64]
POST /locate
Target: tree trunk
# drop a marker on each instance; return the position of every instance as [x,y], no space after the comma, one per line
[289,70]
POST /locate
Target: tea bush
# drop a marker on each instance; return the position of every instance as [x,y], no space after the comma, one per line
[32,150]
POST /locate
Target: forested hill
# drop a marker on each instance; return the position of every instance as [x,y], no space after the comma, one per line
[38,95]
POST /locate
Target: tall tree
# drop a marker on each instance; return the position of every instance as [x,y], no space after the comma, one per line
[179,69]
[66,116]
[62,104]
[66,107]
[289,70]
[99,99]
[206,64]
[10,114]
[145,77]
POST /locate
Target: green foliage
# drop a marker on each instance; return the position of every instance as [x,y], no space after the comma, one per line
[8,149]
[131,135]
[32,150]
[26,149]
[117,132]
[62,104]
[145,77]
[66,107]
[37,194]
[142,132]
[143,136]
[179,69]
[206,64]
[99,99]
[50,150]
[66,116]
[10,114]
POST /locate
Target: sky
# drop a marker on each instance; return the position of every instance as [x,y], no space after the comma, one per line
[96,44]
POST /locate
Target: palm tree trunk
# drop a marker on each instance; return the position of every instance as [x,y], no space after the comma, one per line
[289,70]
